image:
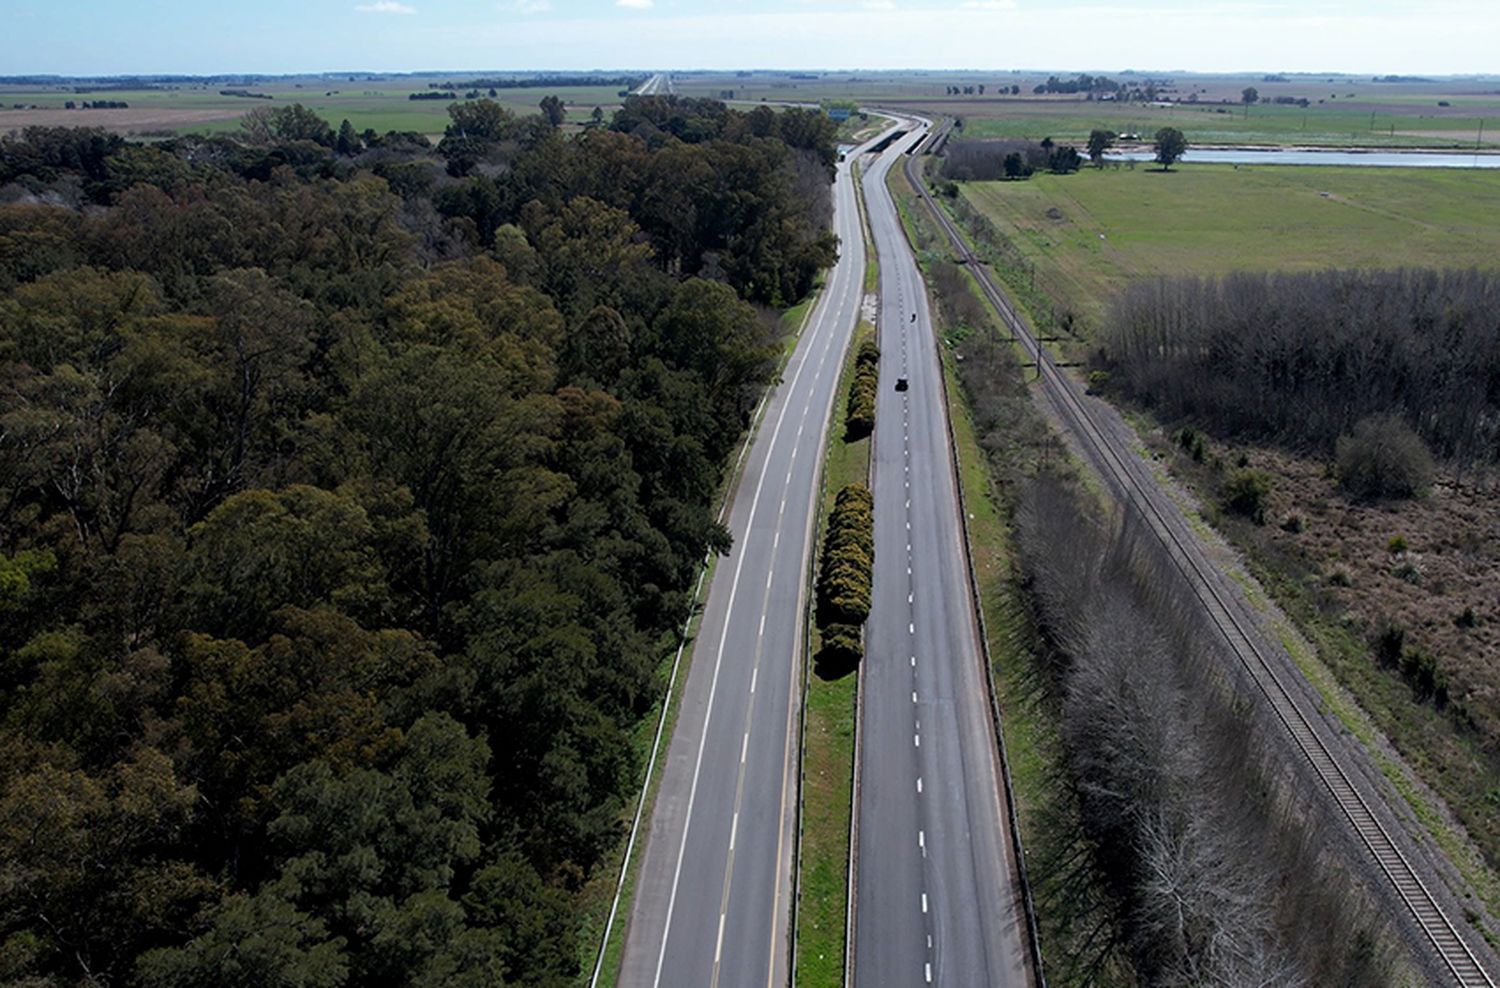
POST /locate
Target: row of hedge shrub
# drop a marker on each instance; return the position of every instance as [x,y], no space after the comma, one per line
[845,572]
[859,418]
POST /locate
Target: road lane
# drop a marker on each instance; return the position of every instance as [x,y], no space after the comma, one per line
[936,899]
[712,899]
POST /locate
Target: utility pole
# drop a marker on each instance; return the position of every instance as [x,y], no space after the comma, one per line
[1480,139]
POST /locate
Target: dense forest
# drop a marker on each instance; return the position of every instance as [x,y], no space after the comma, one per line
[1302,358]
[348,488]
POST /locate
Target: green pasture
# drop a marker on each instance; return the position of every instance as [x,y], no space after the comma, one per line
[1393,125]
[382,105]
[1090,233]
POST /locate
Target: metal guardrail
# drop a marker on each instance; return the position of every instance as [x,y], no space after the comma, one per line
[1451,949]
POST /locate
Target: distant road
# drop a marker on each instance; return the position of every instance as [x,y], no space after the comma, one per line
[658,85]
[936,898]
[713,895]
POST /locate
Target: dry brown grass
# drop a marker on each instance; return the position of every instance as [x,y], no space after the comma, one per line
[128,121]
[1451,565]
[1330,562]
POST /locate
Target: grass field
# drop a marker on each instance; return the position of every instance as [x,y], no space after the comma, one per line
[1342,111]
[1386,125]
[1091,233]
[379,103]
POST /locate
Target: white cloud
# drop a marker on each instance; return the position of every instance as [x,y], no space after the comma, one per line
[989,4]
[385,7]
[528,6]
[636,4]
[879,4]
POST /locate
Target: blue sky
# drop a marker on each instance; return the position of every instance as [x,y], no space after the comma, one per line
[193,36]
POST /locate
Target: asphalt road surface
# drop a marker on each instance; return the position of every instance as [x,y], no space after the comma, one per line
[658,85]
[712,900]
[936,901]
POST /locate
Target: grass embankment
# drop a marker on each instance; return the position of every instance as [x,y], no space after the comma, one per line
[828,744]
[599,894]
[1091,233]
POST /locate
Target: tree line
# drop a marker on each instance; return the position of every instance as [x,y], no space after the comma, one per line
[544,82]
[349,492]
[1300,358]
[992,160]
[859,415]
[1216,870]
[844,576]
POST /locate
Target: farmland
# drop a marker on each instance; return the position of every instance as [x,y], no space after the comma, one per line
[1090,233]
[1341,111]
[1339,124]
[374,102]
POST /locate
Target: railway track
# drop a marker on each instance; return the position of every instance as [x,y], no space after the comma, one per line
[1129,476]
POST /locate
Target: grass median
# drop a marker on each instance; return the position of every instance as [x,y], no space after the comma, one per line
[828,745]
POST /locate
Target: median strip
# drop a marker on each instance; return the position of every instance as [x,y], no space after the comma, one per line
[829,735]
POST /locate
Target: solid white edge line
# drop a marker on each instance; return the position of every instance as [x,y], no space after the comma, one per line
[714,682]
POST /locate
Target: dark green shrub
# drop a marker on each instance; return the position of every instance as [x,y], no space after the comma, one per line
[1390,642]
[1427,680]
[859,415]
[1245,494]
[844,572]
[843,647]
[1383,458]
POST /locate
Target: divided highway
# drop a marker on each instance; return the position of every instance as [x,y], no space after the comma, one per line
[658,85]
[713,895]
[936,900]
